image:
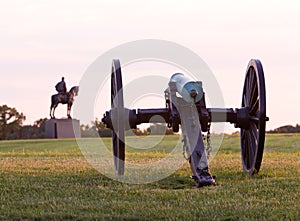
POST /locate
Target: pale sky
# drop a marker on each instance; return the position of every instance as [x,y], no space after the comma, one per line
[41,41]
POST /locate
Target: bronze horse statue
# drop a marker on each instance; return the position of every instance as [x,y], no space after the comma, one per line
[67,98]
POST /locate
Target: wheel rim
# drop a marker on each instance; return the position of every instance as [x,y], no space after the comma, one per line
[117,116]
[253,137]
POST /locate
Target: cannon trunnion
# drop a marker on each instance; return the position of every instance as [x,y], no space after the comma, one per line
[250,117]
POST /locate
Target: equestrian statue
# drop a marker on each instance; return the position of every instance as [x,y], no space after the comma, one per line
[63,97]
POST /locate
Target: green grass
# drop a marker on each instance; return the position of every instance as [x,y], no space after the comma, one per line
[51,180]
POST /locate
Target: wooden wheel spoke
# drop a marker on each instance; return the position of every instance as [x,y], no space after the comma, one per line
[254,139]
[245,101]
[253,94]
[250,142]
[246,155]
[251,78]
[244,144]
[247,92]
[254,107]
[248,150]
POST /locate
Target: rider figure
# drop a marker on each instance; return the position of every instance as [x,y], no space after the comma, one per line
[61,87]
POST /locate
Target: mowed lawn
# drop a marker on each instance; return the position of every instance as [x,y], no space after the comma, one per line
[51,180]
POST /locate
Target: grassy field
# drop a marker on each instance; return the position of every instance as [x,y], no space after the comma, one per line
[51,180]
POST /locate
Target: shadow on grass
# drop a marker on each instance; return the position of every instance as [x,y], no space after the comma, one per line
[174,181]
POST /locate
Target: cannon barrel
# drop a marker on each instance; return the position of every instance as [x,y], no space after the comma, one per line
[191,91]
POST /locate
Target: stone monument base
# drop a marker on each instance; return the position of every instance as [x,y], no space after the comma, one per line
[62,128]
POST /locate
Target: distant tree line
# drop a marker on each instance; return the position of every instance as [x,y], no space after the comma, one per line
[286,129]
[98,128]
[12,128]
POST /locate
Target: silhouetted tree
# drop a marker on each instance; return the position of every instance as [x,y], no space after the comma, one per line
[101,128]
[87,131]
[159,129]
[10,122]
[286,129]
[35,131]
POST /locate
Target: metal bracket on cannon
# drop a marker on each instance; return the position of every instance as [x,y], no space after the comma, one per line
[189,110]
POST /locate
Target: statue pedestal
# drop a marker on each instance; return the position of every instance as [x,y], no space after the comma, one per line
[62,128]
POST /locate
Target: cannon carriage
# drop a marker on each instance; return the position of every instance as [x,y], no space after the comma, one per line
[186,106]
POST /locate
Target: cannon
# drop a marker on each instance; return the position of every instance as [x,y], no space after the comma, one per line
[186,106]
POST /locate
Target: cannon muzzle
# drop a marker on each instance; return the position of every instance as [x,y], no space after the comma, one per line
[191,91]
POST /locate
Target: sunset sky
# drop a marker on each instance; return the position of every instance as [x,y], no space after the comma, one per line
[41,41]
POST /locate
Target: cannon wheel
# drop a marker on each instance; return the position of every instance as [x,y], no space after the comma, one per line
[117,106]
[253,137]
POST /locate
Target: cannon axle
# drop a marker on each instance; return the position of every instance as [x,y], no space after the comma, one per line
[239,117]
